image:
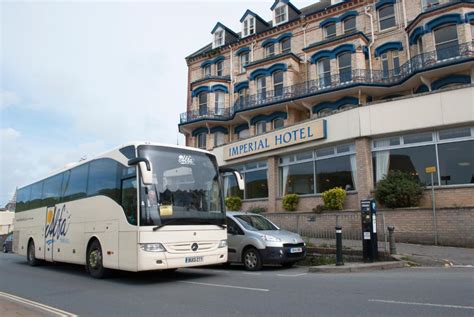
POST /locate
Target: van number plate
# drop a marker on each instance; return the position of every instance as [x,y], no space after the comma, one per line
[193,259]
[296,250]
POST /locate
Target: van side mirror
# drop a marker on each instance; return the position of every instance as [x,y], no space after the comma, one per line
[145,169]
[237,175]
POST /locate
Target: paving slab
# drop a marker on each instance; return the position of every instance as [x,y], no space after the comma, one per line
[357,267]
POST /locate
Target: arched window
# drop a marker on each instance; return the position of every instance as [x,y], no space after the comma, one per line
[261,127]
[202,97]
[330,30]
[220,68]
[345,67]
[206,71]
[243,97]
[244,60]
[270,50]
[278,83]
[243,134]
[219,139]
[324,72]
[390,61]
[387,17]
[261,88]
[201,140]
[278,123]
[285,45]
[219,102]
[446,41]
[349,24]
[419,45]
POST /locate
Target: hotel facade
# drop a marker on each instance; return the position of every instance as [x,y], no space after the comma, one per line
[337,94]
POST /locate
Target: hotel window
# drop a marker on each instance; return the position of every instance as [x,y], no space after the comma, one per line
[386,17]
[270,50]
[324,72]
[281,14]
[419,45]
[255,178]
[206,71]
[452,151]
[244,60]
[243,97]
[202,98]
[285,46]
[249,26]
[261,88]
[243,134]
[349,24]
[345,67]
[278,123]
[318,171]
[219,102]
[218,38]
[330,30]
[390,61]
[220,68]
[446,41]
[219,139]
[261,127]
[201,140]
[278,83]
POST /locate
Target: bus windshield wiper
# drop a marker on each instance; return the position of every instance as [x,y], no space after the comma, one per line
[165,224]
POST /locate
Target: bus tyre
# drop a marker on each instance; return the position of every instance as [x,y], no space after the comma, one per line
[5,250]
[252,259]
[94,261]
[30,254]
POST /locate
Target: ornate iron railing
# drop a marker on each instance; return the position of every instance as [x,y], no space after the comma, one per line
[421,62]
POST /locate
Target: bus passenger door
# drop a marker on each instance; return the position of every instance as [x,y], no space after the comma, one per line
[49,234]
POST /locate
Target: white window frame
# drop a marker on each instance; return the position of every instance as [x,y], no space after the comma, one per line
[282,14]
[326,34]
[288,39]
[386,18]
[344,24]
[218,40]
[267,48]
[242,65]
[221,63]
[248,26]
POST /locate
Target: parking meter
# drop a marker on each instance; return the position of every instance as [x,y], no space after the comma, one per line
[369,230]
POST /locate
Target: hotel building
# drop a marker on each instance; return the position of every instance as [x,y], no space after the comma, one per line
[337,94]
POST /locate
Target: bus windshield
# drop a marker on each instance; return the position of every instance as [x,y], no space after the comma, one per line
[185,189]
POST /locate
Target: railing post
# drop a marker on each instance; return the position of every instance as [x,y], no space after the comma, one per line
[391,238]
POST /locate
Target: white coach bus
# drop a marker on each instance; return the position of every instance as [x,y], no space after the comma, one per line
[140,207]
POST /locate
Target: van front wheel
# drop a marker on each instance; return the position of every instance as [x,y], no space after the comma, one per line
[252,259]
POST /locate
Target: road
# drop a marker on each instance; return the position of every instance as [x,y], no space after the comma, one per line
[231,291]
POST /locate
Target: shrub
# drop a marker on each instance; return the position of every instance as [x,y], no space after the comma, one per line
[334,198]
[398,189]
[290,202]
[257,210]
[233,203]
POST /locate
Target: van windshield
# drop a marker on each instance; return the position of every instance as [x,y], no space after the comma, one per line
[185,189]
[255,223]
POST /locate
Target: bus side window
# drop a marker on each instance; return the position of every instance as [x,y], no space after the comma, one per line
[36,194]
[52,190]
[23,199]
[77,183]
[103,179]
[129,199]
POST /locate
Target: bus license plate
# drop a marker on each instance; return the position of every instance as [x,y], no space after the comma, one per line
[296,250]
[193,259]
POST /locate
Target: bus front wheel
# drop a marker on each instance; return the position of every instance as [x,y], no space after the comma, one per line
[30,254]
[94,260]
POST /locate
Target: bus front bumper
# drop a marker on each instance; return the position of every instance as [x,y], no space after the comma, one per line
[165,260]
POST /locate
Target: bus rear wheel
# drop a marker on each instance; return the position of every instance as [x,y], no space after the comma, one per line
[30,254]
[94,260]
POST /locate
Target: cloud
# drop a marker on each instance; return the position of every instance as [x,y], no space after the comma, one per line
[8,135]
[8,99]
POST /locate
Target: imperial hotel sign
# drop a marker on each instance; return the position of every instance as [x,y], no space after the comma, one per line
[309,131]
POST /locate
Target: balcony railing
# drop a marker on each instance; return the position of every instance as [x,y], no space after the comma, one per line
[421,62]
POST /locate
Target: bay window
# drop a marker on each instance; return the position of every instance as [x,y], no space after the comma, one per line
[278,83]
[446,42]
[345,67]
[202,99]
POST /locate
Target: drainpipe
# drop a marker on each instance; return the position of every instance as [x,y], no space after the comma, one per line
[231,78]
[405,24]
[372,40]
[305,54]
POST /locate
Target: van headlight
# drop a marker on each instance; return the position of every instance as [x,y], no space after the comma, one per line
[152,247]
[222,244]
[267,237]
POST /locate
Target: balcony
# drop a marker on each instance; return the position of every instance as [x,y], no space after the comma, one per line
[356,77]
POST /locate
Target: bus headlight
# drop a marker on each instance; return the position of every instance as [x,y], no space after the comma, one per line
[152,247]
[222,243]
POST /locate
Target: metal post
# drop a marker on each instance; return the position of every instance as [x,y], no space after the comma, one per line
[339,260]
[391,237]
[298,224]
[435,221]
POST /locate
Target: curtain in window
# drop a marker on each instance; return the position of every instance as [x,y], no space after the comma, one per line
[381,163]
[354,171]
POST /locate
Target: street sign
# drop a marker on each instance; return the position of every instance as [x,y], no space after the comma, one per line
[430,169]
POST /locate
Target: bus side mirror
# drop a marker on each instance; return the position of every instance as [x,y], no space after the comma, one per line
[145,169]
[237,175]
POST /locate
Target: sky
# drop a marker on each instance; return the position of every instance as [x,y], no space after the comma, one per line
[78,78]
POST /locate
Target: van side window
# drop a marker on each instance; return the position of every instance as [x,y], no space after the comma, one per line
[231,224]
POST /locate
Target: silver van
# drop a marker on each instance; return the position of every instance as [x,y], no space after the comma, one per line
[254,240]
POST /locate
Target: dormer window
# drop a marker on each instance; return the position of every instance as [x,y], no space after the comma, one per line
[218,38]
[281,14]
[249,26]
